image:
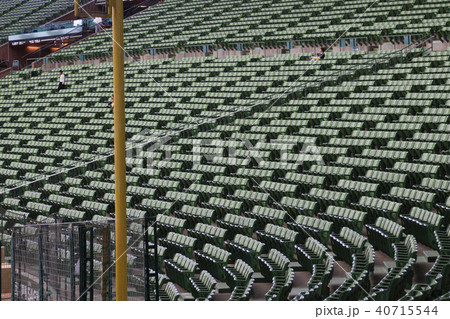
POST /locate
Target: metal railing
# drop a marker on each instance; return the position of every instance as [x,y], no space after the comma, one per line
[306,46]
[75,261]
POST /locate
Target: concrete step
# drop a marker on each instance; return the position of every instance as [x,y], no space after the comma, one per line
[259,277]
[335,283]
[421,259]
[187,296]
[389,265]
[295,291]
[296,266]
[430,255]
[380,270]
[222,287]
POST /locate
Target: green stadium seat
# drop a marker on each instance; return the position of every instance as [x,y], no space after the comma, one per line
[94,208]
[36,209]
[422,224]
[325,198]
[313,227]
[393,285]
[178,243]
[438,186]
[169,293]
[168,224]
[376,207]
[214,259]
[224,206]
[356,189]
[239,277]
[304,181]
[332,173]
[281,286]
[347,243]
[383,234]
[155,207]
[180,198]
[265,215]
[203,287]
[245,248]
[71,215]
[344,217]
[295,206]
[180,269]
[205,233]
[279,238]
[403,252]
[310,253]
[411,198]
[235,224]
[386,180]
[274,264]
[14,216]
[194,215]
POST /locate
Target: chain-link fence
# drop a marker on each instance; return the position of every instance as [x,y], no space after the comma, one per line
[75,261]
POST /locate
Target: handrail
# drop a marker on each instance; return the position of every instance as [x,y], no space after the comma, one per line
[5,71]
[60,57]
[46,46]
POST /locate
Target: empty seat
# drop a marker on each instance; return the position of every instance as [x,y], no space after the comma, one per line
[205,233]
[310,253]
[194,215]
[377,207]
[239,277]
[279,238]
[178,243]
[347,243]
[344,217]
[383,234]
[203,287]
[325,197]
[295,206]
[180,269]
[406,250]
[311,227]
[264,215]
[245,248]
[214,259]
[422,224]
[274,264]
[235,224]
[411,198]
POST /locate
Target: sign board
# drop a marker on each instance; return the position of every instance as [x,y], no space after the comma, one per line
[38,37]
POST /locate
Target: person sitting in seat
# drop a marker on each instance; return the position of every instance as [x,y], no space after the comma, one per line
[111,103]
[320,55]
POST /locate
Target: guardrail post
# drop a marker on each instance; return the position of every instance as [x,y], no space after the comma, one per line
[13,265]
[71,266]
[82,253]
[41,269]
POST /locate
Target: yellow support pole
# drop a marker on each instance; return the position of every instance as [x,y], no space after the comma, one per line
[119,151]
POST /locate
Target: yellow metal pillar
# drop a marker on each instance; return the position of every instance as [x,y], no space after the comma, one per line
[119,151]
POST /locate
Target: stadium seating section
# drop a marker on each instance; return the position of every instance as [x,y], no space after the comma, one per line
[192,24]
